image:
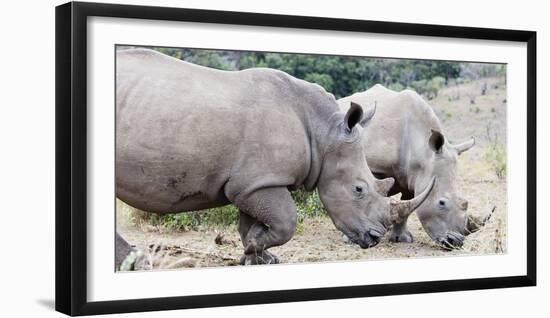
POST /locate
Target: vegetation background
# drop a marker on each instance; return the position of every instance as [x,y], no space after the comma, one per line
[345,75]
[459,90]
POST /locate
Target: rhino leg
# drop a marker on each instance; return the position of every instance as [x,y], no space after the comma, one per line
[400,233]
[264,257]
[122,250]
[268,218]
[128,258]
[245,222]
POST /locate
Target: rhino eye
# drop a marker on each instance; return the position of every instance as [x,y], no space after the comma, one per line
[360,190]
[442,203]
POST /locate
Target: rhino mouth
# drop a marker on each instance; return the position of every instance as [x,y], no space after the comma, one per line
[451,241]
[367,239]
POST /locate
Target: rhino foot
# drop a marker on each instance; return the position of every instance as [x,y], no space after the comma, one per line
[404,236]
[136,260]
[346,239]
[264,257]
[127,257]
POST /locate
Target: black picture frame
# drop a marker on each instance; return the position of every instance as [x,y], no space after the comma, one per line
[71,157]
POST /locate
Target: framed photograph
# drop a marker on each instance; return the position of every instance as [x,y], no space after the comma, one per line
[210,158]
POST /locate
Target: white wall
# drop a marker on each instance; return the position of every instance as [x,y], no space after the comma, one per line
[27,157]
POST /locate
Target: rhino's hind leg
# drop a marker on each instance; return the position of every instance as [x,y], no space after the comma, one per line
[400,233]
[268,218]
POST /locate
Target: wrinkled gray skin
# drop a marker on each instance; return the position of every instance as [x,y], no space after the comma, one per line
[191,138]
[406,141]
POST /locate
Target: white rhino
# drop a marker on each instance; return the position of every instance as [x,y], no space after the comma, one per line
[190,138]
[406,141]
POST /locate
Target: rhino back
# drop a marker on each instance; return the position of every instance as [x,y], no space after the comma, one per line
[185,133]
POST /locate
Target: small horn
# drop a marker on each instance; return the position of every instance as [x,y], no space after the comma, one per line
[460,148]
[400,210]
[383,186]
[474,224]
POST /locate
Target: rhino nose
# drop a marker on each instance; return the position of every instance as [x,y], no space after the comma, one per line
[453,240]
[370,239]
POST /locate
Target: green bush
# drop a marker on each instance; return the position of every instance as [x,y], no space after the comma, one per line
[428,88]
[396,87]
[322,79]
[185,221]
[496,155]
[434,85]
[308,205]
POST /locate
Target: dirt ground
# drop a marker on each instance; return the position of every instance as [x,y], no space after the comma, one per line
[320,241]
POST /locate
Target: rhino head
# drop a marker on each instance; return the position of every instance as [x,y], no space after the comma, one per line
[354,199]
[444,213]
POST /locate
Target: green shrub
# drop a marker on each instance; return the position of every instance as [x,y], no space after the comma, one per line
[396,87]
[428,88]
[185,221]
[308,205]
[496,155]
[324,80]
[434,85]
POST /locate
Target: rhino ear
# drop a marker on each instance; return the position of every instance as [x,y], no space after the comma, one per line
[436,142]
[460,148]
[368,116]
[384,185]
[353,116]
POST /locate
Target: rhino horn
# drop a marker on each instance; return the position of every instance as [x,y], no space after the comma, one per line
[474,224]
[401,209]
[460,148]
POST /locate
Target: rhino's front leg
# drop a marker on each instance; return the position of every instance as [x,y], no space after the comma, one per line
[267,219]
[122,250]
[245,222]
[400,233]
[126,257]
